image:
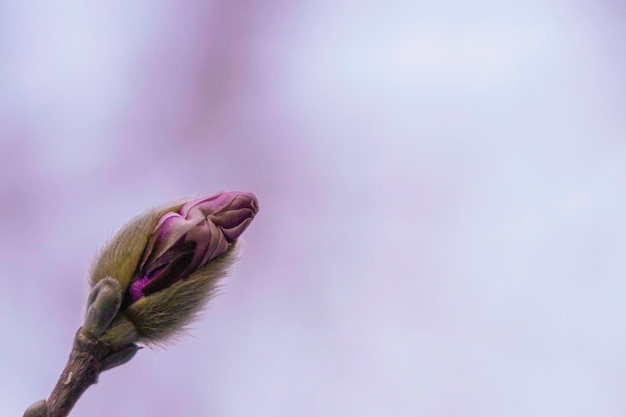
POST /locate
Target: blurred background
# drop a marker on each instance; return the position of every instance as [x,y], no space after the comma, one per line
[441,185]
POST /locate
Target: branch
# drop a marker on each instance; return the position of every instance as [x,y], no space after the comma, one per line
[148,283]
[81,371]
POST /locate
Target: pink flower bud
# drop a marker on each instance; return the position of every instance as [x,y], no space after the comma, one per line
[185,241]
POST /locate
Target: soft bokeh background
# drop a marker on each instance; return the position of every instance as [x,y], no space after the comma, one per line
[442,223]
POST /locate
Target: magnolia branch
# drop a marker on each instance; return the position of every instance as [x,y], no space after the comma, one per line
[147,284]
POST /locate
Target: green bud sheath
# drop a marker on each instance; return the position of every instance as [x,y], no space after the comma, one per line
[119,357]
[163,314]
[118,261]
[164,266]
[119,258]
[103,304]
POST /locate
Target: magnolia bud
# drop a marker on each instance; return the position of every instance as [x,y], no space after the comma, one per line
[103,304]
[38,409]
[167,263]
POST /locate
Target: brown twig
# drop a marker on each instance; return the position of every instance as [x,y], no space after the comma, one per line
[81,371]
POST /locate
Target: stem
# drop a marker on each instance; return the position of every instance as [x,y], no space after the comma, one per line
[81,371]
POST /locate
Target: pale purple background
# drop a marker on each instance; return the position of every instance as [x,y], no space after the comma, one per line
[442,225]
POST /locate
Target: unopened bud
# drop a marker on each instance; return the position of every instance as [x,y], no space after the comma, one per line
[167,263]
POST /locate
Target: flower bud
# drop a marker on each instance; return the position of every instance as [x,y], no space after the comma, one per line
[103,304]
[185,241]
[119,357]
[168,261]
[38,409]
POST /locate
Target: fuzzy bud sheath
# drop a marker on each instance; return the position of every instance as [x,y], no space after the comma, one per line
[168,261]
[148,283]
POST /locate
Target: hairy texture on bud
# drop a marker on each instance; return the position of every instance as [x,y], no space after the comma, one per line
[165,313]
[184,241]
[120,256]
[165,264]
[121,332]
